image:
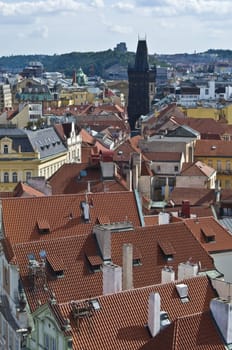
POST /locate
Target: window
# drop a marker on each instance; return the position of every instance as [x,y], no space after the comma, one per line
[227,184]
[228,165]
[28,175]
[6,177]
[219,165]
[210,163]
[207,91]
[5,149]
[158,168]
[50,343]
[15,177]
[176,168]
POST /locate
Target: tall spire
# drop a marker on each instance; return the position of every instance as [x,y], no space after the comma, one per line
[141,57]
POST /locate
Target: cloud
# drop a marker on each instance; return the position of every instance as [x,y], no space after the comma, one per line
[39,32]
[97,3]
[116,28]
[123,6]
[41,7]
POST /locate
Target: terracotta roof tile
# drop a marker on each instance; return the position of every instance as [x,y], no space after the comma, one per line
[173,236]
[213,148]
[196,196]
[197,169]
[163,156]
[193,332]
[122,318]
[57,209]
[212,236]
[25,190]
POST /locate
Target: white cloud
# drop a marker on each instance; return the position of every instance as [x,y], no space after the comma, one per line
[124,6]
[97,3]
[41,7]
[116,28]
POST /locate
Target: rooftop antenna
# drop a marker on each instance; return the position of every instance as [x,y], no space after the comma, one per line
[37,269]
[82,310]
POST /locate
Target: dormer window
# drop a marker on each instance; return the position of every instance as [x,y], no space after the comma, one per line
[56,265]
[208,234]
[166,249]
[94,262]
[43,226]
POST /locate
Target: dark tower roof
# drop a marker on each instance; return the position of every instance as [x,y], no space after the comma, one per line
[141,58]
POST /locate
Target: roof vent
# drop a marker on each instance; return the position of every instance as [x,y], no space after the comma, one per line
[182,290]
[213,147]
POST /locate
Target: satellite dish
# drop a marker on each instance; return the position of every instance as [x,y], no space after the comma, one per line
[42,254]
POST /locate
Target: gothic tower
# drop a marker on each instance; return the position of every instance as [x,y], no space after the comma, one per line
[141,85]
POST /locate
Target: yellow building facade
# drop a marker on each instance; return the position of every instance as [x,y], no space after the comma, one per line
[218,155]
[19,161]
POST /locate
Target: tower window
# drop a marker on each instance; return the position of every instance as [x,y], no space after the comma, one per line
[5,149]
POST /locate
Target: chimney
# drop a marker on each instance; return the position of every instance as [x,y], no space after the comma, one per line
[103,236]
[185,210]
[187,270]
[166,190]
[112,279]
[163,218]
[135,177]
[167,274]
[127,268]
[129,179]
[154,314]
[222,313]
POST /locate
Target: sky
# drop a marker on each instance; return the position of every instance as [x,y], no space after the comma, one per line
[64,26]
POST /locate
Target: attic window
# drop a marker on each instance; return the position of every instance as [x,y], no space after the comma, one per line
[56,265]
[136,257]
[167,249]
[43,226]
[208,234]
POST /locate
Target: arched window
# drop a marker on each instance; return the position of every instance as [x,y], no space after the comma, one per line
[6,177]
[5,149]
[15,177]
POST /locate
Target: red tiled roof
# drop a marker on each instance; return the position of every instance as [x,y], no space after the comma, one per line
[213,148]
[151,220]
[197,169]
[207,227]
[146,239]
[196,196]
[25,190]
[163,156]
[193,332]
[203,125]
[56,210]
[67,180]
[122,318]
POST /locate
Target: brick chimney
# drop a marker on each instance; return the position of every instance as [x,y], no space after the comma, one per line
[185,210]
[127,266]
[112,278]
